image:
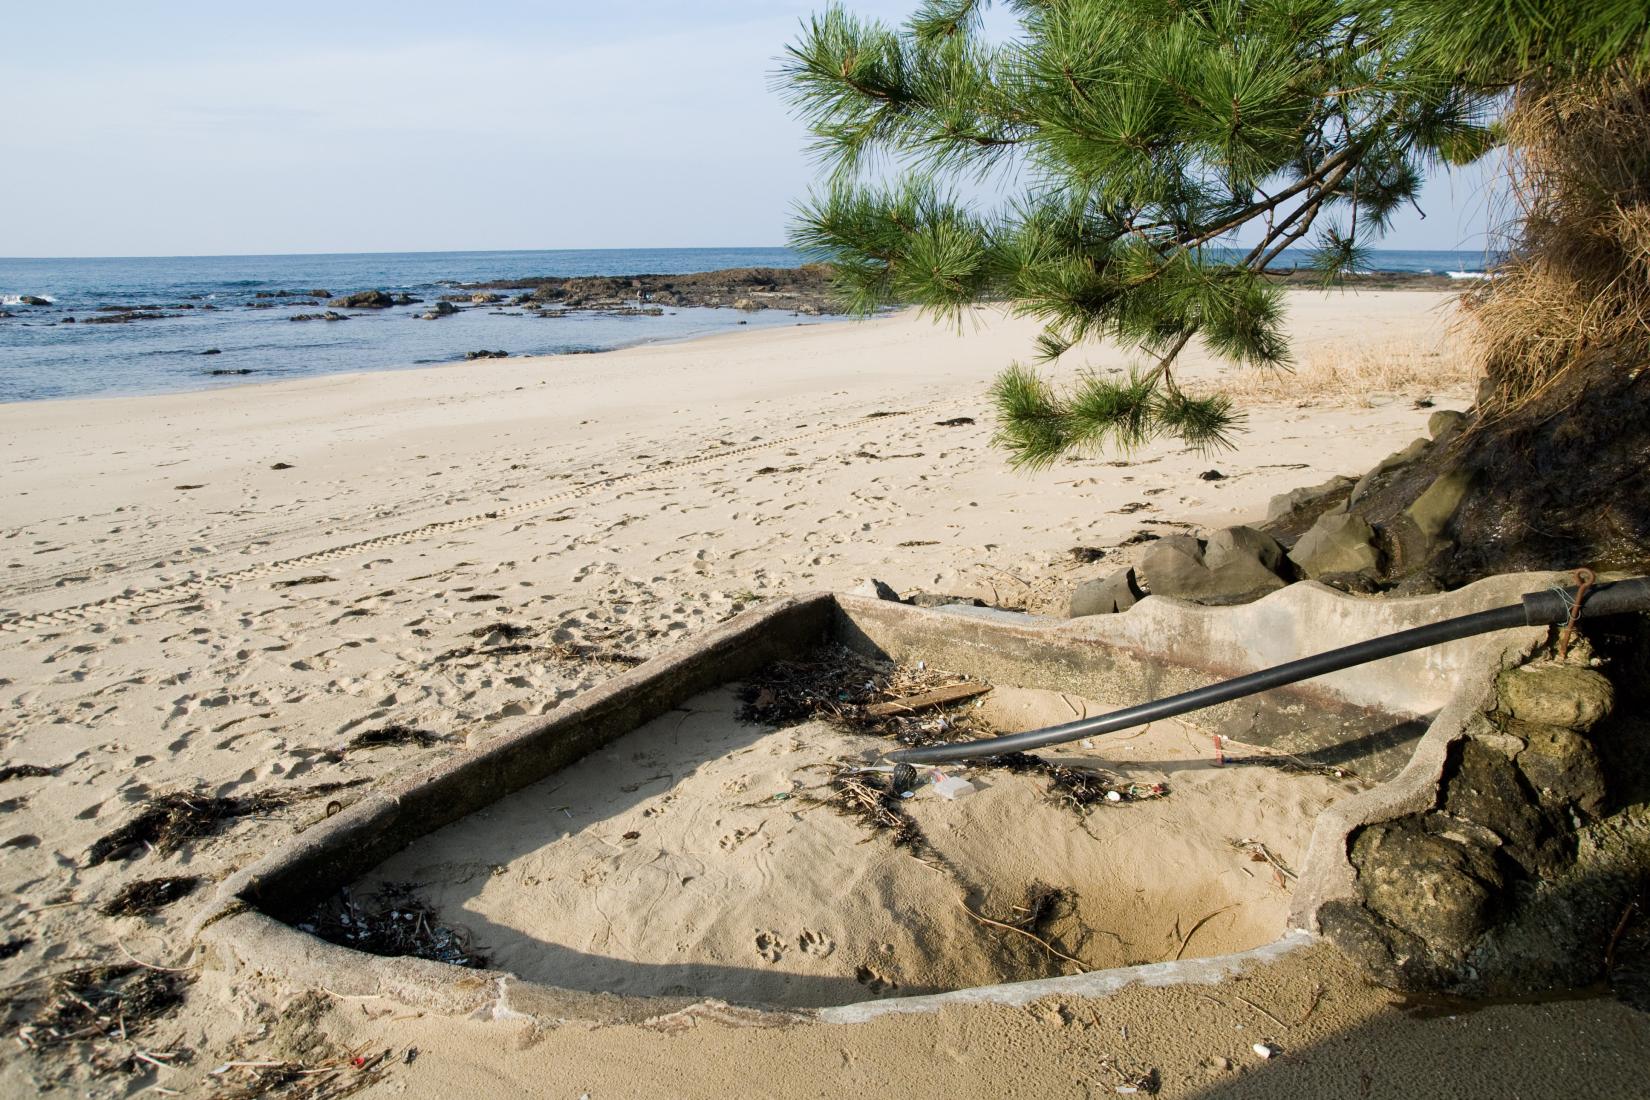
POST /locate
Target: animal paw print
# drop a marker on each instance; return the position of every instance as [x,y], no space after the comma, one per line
[736,838]
[817,944]
[875,980]
[770,946]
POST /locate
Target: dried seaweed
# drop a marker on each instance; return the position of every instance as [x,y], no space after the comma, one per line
[337,1076]
[865,798]
[837,685]
[149,895]
[14,946]
[394,922]
[1077,786]
[395,734]
[169,821]
[100,1004]
[507,631]
[24,771]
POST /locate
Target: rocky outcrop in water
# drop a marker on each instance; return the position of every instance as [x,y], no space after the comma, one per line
[804,290]
[366,299]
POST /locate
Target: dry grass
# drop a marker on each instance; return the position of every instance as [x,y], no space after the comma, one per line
[1578,280]
[1354,374]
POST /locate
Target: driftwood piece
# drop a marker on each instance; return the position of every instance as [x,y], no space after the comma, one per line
[939,697]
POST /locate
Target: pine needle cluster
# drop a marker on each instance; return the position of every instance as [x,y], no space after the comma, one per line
[1134,140]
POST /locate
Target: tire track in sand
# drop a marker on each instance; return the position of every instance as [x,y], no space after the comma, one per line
[182,589]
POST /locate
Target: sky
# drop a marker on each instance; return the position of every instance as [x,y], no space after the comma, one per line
[194,128]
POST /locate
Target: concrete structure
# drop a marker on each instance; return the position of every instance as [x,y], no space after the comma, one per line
[1391,721]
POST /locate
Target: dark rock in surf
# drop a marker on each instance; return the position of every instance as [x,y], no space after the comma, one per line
[367,299]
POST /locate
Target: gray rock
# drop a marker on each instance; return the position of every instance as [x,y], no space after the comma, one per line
[1556,695]
[1340,542]
[367,299]
[1394,461]
[1564,770]
[875,589]
[1182,567]
[1232,544]
[1106,595]
[1444,422]
[32,300]
[1485,791]
[1435,507]
[1438,890]
[1296,499]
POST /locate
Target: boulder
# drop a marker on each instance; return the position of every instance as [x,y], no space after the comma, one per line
[1297,499]
[1437,889]
[367,299]
[483,298]
[1555,695]
[875,589]
[1228,569]
[320,293]
[1563,769]
[1436,506]
[439,310]
[1233,544]
[1105,595]
[1340,542]
[1445,422]
[31,300]
[747,305]
[1485,791]
[1396,460]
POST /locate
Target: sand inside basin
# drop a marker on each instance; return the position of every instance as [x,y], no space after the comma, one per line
[664,864]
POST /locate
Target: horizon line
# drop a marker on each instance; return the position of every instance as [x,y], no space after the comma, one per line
[502,251]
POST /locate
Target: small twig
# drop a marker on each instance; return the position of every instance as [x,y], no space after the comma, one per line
[227,1066]
[1188,937]
[1028,935]
[1259,1009]
[152,966]
[1615,937]
[1317,995]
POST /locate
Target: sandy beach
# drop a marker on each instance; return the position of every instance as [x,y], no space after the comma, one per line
[214,592]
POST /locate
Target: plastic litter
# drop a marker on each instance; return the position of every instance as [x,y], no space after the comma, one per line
[1265,1050]
[950,787]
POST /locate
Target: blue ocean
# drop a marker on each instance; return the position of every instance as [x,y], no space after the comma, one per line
[41,357]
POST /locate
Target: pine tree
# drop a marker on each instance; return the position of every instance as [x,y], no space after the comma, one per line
[1136,138]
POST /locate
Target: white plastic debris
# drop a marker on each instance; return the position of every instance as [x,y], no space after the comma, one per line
[950,787]
[1113,796]
[1265,1050]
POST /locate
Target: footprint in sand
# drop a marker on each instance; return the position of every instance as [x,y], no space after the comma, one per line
[736,838]
[770,945]
[874,980]
[817,944]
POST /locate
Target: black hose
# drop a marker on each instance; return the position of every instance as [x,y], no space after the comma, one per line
[1534,609]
